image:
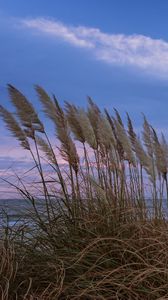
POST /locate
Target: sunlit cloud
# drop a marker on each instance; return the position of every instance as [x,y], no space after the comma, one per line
[130,50]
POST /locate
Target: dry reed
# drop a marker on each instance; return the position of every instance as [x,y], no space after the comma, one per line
[102,233]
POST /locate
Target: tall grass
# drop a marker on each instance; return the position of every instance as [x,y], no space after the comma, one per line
[102,233]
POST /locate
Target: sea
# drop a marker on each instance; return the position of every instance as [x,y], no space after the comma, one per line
[16,211]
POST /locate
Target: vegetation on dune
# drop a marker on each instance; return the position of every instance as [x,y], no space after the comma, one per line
[98,235]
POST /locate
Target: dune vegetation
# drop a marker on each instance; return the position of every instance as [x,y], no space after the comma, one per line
[103,231]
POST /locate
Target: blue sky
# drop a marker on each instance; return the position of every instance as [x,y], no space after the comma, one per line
[115,51]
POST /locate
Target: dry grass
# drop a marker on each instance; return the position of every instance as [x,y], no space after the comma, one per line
[98,236]
[98,259]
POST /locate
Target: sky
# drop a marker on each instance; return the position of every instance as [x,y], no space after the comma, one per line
[115,51]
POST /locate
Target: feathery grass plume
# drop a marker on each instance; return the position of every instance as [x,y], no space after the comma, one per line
[111,123]
[93,105]
[126,144]
[119,146]
[87,128]
[131,132]
[147,137]
[143,158]
[114,160]
[164,145]
[68,148]
[48,104]
[56,114]
[14,127]
[160,158]
[25,110]
[118,117]
[94,116]
[105,133]
[74,122]
[44,146]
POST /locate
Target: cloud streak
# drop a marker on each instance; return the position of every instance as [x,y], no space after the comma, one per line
[129,50]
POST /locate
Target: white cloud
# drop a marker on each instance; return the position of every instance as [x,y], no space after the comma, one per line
[58,30]
[132,50]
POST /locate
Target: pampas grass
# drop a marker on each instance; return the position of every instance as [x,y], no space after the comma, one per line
[87,128]
[25,110]
[102,230]
[14,127]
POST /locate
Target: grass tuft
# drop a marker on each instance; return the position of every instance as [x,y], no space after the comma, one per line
[97,227]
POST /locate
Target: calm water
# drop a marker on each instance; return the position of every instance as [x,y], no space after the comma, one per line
[16,210]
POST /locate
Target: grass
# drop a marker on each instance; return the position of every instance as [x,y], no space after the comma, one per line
[98,236]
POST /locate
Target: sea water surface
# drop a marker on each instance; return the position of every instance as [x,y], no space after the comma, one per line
[17,211]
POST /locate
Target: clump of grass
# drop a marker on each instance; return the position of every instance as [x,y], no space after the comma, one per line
[10,288]
[98,235]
